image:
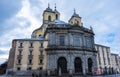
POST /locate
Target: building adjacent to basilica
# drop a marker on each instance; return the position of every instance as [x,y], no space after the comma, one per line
[60,48]
[104,59]
[115,63]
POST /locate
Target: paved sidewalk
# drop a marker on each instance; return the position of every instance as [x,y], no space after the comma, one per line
[115,75]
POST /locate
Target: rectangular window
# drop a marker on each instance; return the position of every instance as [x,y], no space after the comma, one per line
[19,61]
[41,61]
[41,52]
[108,56]
[76,41]
[18,68]
[104,56]
[89,43]
[62,40]
[41,45]
[21,45]
[31,44]
[30,52]
[30,61]
[41,68]
[116,60]
[20,52]
[29,68]
[99,57]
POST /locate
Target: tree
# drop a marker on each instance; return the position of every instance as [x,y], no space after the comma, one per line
[3,68]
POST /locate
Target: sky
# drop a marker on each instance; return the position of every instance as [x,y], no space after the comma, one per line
[18,19]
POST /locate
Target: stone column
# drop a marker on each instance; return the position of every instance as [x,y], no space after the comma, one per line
[84,72]
[95,63]
[70,72]
[70,62]
[84,64]
[48,71]
[59,72]
[48,65]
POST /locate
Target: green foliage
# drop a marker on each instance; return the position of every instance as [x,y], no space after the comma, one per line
[3,68]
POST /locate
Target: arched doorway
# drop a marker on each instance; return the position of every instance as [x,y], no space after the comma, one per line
[78,65]
[90,64]
[62,65]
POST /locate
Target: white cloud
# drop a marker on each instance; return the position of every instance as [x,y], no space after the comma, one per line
[3,58]
[26,16]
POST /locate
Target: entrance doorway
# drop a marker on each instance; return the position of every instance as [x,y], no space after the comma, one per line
[62,65]
[90,64]
[78,65]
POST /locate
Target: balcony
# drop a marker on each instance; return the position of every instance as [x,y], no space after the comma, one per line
[41,56]
[18,64]
[40,63]
[29,64]
[20,47]
[30,56]
[19,56]
[31,47]
[41,47]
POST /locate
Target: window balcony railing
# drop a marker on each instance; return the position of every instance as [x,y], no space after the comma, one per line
[31,47]
[41,56]
[41,47]
[19,56]
[19,64]
[30,56]
[20,46]
[30,63]
[40,63]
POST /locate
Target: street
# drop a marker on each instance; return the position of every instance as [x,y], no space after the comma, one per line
[115,75]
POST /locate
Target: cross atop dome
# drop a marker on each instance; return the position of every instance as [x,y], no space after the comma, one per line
[48,5]
[75,14]
[55,6]
[48,9]
[74,11]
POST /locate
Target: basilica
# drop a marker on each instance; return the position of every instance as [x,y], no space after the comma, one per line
[59,48]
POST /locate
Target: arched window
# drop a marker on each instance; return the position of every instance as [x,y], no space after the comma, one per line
[39,35]
[78,22]
[56,17]
[49,18]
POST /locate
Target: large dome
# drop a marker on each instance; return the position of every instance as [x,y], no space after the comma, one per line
[59,22]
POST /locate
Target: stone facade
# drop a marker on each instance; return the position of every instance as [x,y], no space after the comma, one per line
[11,56]
[67,48]
[76,43]
[28,54]
[115,63]
[104,58]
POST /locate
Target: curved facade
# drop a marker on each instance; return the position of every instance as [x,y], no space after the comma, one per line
[73,42]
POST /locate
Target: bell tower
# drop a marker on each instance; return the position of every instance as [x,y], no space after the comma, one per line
[75,19]
[49,15]
[57,14]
